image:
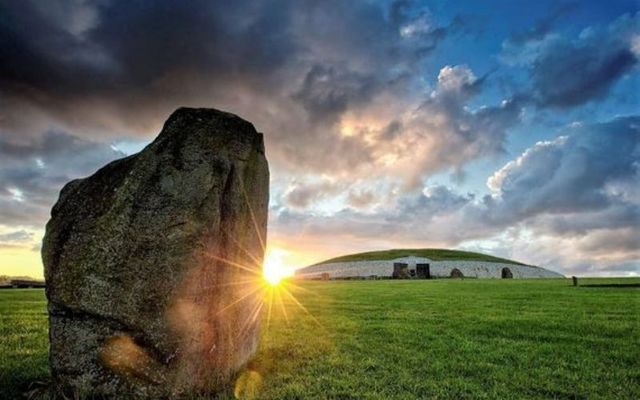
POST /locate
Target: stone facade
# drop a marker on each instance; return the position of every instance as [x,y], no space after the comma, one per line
[437,269]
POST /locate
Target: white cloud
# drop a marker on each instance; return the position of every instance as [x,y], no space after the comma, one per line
[568,203]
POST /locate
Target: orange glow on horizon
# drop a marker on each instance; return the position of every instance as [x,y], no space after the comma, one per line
[21,261]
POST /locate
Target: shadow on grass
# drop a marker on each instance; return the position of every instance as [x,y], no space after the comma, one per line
[612,285]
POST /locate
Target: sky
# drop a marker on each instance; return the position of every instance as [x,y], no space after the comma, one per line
[505,127]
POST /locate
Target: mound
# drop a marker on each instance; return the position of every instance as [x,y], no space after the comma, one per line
[422,264]
[433,254]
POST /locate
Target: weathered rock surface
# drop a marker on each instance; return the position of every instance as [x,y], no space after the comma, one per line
[153,263]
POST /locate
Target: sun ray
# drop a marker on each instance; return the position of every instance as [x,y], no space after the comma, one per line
[235,264]
[238,300]
[253,315]
[247,252]
[302,289]
[282,307]
[253,217]
[293,298]
[270,308]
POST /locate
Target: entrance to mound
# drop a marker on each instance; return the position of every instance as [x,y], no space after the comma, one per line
[456,273]
[400,271]
[506,273]
[423,271]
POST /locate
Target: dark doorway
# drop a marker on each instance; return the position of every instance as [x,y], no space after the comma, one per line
[423,271]
[506,273]
[400,271]
[456,273]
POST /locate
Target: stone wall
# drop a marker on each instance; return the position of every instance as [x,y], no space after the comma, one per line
[438,269]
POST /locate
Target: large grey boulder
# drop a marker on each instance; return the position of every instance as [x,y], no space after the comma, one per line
[153,263]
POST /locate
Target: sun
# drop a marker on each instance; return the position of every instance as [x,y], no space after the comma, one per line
[274,269]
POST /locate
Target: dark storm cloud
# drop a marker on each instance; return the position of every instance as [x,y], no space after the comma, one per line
[566,73]
[134,46]
[162,54]
[103,69]
[293,67]
[36,171]
[124,68]
[599,67]
[327,93]
[590,168]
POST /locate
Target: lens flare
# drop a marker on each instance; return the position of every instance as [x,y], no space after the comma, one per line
[274,270]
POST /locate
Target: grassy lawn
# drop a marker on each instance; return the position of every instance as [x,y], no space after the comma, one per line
[24,343]
[434,254]
[495,339]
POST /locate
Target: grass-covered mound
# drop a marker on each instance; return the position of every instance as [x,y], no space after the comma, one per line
[433,254]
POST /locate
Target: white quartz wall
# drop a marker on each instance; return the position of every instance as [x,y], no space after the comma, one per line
[384,268]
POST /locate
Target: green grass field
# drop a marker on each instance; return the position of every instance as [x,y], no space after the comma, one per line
[451,339]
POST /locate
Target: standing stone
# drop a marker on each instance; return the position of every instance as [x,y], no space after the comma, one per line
[153,263]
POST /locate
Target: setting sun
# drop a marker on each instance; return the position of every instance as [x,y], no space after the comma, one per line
[274,269]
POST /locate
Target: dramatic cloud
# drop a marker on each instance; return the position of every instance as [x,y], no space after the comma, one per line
[335,85]
[437,132]
[33,173]
[578,193]
[161,55]
[395,143]
[566,73]
[575,200]
[447,133]
[326,94]
[365,106]
[297,69]
[302,196]
[15,236]
[16,239]
[106,67]
[590,168]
